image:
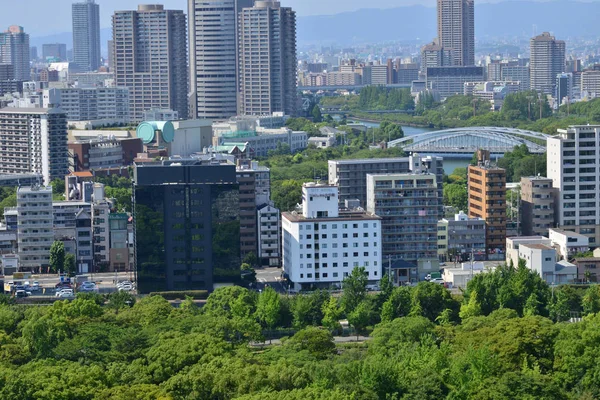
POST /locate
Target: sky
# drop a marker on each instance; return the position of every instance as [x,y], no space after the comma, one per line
[46,17]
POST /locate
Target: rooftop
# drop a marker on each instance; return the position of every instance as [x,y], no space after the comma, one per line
[537,246]
[343,216]
[568,233]
[32,110]
[587,259]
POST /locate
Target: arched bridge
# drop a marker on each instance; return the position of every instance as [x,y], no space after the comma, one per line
[468,140]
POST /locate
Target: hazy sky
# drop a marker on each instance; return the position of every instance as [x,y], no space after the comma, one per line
[43,17]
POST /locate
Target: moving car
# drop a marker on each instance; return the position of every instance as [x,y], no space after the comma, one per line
[437,280]
[65,293]
[88,287]
[22,293]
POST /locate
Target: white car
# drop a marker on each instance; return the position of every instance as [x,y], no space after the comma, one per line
[65,293]
[35,286]
[437,280]
[125,288]
[88,287]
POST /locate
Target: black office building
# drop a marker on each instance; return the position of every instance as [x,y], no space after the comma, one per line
[187,226]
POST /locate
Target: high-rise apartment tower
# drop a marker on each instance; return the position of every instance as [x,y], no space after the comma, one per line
[547,61]
[456,29]
[86,35]
[14,50]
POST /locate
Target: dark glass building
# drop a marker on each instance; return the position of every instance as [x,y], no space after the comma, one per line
[187,226]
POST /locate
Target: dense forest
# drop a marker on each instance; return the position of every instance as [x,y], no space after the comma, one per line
[506,338]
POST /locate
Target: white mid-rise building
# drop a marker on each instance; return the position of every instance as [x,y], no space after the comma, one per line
[322,244]
[35,229]
[573,157]
[88,104]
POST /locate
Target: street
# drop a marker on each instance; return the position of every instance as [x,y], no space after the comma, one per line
[106,282]
[270,276]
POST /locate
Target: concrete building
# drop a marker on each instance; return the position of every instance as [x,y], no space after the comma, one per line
[269,237]
[100,228]
[513,244]
[322,245]
[103,153]
[350,176]
[375,74]
[150,58]
[461,237]
[493,91]
[86,35]
[254,188]
[213,60]
[54,51]
[194,244]
[590,83]
[119,247]
[568,243]
[14,50]
[487,200]
[434,55]
[84,237]
[564,89]
[450,81]
[456,29]
[409,206]
[588,268]
[572,159]
[343,79]
[73,219]
[33,140]
[88,104]
[516,73]
[267,67]
[537,205]
[161,114]
[12,180]
[260,142]
[35,227]
[405,74]
[322,142]
[540,258]
[547,61]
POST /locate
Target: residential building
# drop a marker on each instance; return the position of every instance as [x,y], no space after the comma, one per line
[590,83]
[405,74]
[193,241]
[35,230]
[88,104]
[456,29]
[119,248]
[375,74]
[269,235]
[111,50]
[322,244]
[573,156]
[33,140]
[494,70]
[493,91]
[450,81]
[343,79]
[86,35]
[150,58]
[100,228]
[564,89]
[89,78]
[540,258]
[587,268]
[537,205]
[84,237]
[462,237]
[434,55]
[350,176]
[568,243]
[213,60]
[72,219]
[8,242]
[249,175]
[12,180]
[409,205]
[513,245]
[487,200]
[546,62]
[54,51]
[267,67]
[14,50]
[516,73]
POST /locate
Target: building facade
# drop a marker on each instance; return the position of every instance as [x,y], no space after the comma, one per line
[409,206]
[187,226]
[267,67]
[573,156]
[213,60]
[321,245]
[35,230]
[150,58]
[464,238]
[55,51]
[86,35]
[456,29]
[537,206]
[269,237]
[450,81]
[14,50]
[487,200]
[88,104]
[34,140]
[547,61]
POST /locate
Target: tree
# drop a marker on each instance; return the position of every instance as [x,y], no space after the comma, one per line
[316,114]
[331,315]
[69,264]
[470,309]
[268,307]
[388,337]
[397,305]
[455,195]
[318,342]
[591,300]
[361,316]
[287,194]
[354,288]
[57,256]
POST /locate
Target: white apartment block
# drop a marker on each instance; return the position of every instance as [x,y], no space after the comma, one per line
[34,140]
[573,157]
[88,104]
[322,245]
[35,230]
[590,84]
[568,243]
[269,226]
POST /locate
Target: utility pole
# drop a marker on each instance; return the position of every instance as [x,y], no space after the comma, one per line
[540,105]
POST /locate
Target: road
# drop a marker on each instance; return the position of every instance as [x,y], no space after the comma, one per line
[336,339]
[270,276]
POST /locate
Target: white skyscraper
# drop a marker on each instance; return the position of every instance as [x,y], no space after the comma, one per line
[14,50]
[86,35]
[213,57]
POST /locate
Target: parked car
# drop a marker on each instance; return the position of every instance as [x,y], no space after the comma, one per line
[438,280]
[22,293]
[63,285]
[88,287]
[119,284]
[65,293]
[35,286]
[125,288]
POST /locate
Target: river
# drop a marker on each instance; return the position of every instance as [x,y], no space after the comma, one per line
[449,164]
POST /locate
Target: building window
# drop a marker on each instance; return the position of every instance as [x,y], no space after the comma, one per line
[345,264]
[355,235]
[309,275]
[334,226]
[344,235]
[335,265]
[365,225]
[324,274]
[366,244]
[344,245]
[345,226]
[345,254]
[355,254]
[335,274]
[301,265]
[334,245]
[366,254]
[355,264]
[354,244]
[301,275]
[335,255]
[355,226]
[334,235]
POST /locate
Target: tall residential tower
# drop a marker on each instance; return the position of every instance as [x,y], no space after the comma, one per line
[86,35]
[150,58]
[456,29]
[14,50]
[267,67]
[547,61]
[213,57]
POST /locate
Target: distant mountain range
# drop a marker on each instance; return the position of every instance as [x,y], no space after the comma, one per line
[564,18]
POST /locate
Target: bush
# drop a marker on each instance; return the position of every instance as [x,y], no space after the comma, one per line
[194,294]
